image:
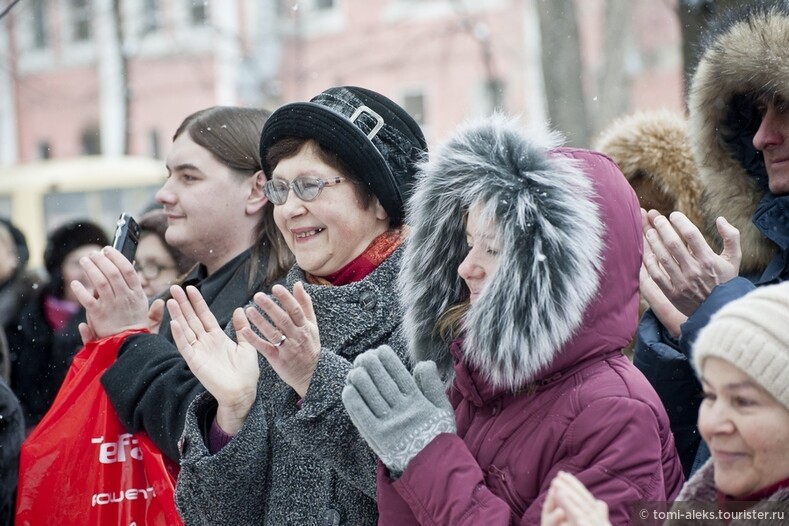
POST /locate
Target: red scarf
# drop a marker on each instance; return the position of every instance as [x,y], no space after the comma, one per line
[358,269]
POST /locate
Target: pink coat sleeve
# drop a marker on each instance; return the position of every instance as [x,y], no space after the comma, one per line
[392,508]
[443,484]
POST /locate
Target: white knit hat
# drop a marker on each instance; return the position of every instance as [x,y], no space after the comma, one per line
[752,333]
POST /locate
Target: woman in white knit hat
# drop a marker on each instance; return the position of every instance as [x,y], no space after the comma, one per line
[742,359]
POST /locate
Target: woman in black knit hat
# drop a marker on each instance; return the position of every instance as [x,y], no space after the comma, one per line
[273,445]
[45,337]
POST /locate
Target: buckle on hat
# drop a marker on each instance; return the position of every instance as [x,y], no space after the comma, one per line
[379,124]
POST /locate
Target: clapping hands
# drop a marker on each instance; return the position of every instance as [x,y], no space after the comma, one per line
[229,370]
[681,262]
[569,503]
[680,269]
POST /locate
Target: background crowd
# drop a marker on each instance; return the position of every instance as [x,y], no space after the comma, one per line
[342,327]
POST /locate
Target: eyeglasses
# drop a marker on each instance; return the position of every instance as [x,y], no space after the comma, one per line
[305,187]
[151,270]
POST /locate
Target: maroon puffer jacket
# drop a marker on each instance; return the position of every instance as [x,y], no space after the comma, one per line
[589,411]
[598,420]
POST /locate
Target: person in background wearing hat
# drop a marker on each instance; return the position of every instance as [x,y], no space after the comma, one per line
[520,289]
[273,445]
[43,338]
[158,263]
[742,360]
[653,151]
[217,213]
[17,286]
[738,118]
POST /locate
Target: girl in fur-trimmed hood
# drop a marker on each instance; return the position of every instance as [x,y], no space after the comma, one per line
[520,285]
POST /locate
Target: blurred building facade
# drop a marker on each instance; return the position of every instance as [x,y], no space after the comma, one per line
[115,77]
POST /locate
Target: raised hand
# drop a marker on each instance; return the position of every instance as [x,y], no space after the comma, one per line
[228,370]
[155,316]
[117,302]
[397,414]
[292,343]
[682,264]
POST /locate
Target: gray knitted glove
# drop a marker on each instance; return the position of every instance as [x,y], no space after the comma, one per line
[396,414]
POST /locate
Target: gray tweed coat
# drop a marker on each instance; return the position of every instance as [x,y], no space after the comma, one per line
[291,466]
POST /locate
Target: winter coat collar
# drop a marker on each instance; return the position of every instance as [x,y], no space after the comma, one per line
[469,382]
[763,494]
[700,492]
[701,487]
[771,218]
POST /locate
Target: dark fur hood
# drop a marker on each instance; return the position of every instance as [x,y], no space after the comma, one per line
[746,53]
[552,207]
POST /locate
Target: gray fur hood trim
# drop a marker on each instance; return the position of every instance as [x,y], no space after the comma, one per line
[550,241]
[748,52]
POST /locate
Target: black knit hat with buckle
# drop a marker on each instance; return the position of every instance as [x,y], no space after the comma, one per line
[375,137]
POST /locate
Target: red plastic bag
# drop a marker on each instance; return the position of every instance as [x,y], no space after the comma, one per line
[80,467]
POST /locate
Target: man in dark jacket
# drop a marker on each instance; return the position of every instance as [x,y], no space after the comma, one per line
[739,130]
